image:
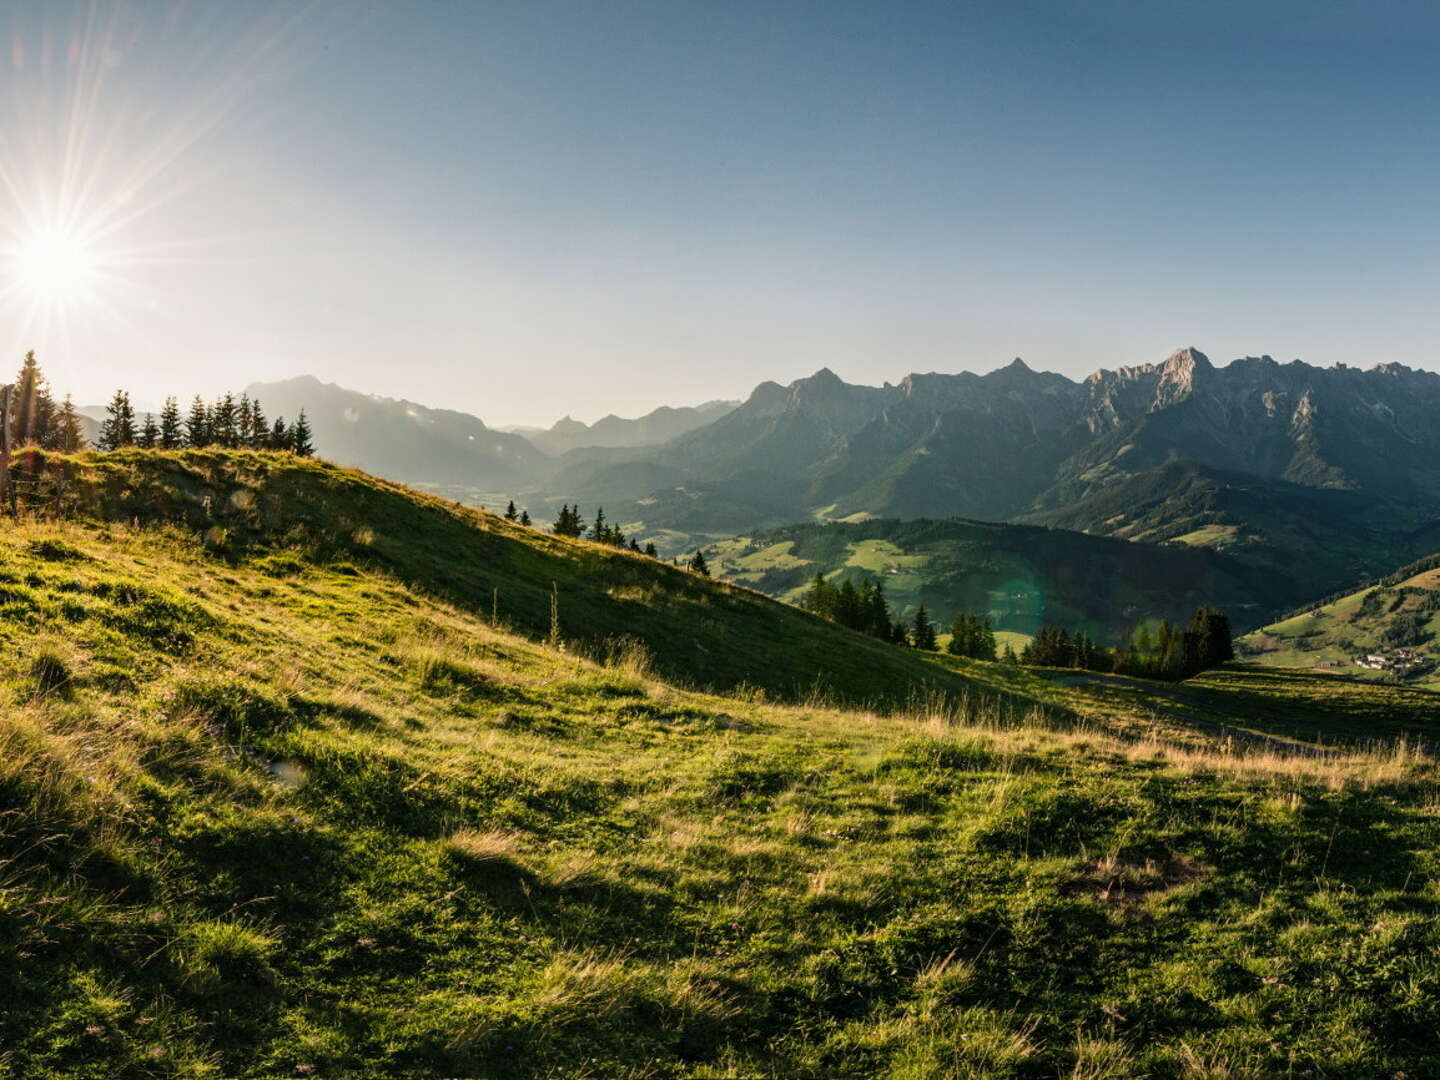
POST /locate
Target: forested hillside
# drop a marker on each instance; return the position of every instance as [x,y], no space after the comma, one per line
[1019,577]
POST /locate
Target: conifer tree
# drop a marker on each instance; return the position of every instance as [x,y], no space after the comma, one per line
[69,431]
[171,430]
[922,632]
[597,530]
[197,424]
[650,550]
[510,512]
[149,436]
[635,545]
[301,441]
[698,564]
[244,421]
[118,428]
[259,435]
[32,408]
[224,426]
[525,518]
[279,435]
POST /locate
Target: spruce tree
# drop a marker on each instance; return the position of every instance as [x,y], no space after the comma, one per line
[279,435]
[698,564]
[301,440]
[32,412]
[525,518]
[224,427]
[597,530]
[149,436]
[650,550]
[244,421]
[118,428]
[171,430]
[922,632]
[69,431]
[197,424]
[259,437]
[510,512]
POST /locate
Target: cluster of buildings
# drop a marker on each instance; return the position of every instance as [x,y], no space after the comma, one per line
[1395,660]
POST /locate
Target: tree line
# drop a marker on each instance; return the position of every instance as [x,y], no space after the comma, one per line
[1169,651]
[37,420]
[1166,652]
[34,417]
[228,423]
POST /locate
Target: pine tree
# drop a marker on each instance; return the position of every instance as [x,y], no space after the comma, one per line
[511,514]
[301,441]
[69,431]
[922,632]
[149,436]
[279,435]
[244,421]
[259,437]
[171,432]
[698,564]
[597,530]
[635,545]
[32,408]
[525,518]
[877,612]
[118,428]
[1009,656]
[197,424]
[224,428]
[650,550]
[821,597]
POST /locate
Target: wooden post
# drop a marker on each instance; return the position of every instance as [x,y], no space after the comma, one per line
[5,445]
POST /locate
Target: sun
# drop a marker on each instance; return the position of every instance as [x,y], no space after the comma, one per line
[54,265]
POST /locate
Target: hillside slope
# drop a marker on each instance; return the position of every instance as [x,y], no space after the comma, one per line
[1022,577]
[711,634]
[1389,630]
[288,811]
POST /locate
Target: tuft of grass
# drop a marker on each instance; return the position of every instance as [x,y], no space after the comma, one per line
[51,676]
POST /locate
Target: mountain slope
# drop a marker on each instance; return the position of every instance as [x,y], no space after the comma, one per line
[404,441]
[1022,577]
[255,505]
[271,811]
[1387,630]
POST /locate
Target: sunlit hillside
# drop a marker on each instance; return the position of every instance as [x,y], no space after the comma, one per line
[285,797]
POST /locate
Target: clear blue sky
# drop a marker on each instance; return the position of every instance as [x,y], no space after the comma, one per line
[531,208]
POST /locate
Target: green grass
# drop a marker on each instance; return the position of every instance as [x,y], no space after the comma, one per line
[1332,635]
[307,811]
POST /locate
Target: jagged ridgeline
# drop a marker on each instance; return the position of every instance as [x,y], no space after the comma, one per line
[249,506]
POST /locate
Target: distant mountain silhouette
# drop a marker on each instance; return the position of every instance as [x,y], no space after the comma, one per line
[654,427]
[403,440]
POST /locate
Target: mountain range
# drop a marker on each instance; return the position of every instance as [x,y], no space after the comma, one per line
[1324,475]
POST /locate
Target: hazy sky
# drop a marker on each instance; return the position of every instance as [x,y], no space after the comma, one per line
[525,209]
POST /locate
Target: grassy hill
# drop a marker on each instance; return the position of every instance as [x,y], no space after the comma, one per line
[1022,576]
[249,506]
[281,797]
[1395,620]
